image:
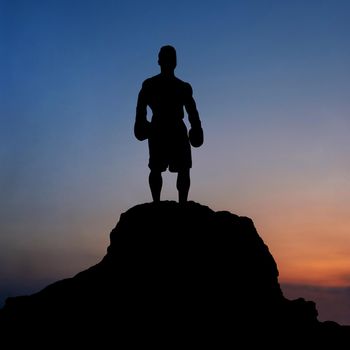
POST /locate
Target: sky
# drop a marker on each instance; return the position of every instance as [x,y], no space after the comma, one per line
[271,80]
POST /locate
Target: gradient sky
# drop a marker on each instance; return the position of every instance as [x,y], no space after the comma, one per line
[272,84]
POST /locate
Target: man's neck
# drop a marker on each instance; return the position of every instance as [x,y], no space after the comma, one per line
[167,72]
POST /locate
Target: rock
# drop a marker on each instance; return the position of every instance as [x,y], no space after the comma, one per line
[175,273]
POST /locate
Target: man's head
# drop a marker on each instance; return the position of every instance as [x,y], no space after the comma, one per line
[167,57]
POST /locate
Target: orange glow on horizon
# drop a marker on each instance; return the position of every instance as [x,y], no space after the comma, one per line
[307,235]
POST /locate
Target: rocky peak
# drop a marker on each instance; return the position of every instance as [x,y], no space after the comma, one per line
[175,272]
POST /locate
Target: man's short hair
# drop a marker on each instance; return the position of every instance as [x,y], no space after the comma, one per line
[167,56]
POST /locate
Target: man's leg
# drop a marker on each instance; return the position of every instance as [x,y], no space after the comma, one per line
[183,184]
[155,183]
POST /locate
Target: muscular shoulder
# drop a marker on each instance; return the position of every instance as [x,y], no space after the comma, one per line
[149,82]
[184,86]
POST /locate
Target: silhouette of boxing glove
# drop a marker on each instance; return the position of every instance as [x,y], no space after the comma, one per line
[196,136]
[142,130]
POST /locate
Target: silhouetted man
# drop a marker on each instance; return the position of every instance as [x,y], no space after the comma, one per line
[168,140]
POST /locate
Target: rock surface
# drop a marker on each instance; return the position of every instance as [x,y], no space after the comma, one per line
[173,274]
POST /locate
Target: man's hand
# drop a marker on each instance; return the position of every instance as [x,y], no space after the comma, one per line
[196,136]
[142,130]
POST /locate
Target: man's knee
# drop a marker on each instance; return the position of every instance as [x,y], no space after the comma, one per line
[155,174]
[183,178]
[184,174]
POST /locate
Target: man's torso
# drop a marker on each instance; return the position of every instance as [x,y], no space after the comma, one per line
[166,96]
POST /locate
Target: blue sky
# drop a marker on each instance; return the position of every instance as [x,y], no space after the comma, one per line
[271,82]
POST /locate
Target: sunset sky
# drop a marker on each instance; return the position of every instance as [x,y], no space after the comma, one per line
[272,84]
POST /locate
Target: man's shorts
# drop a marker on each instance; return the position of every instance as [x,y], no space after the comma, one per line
[169,146]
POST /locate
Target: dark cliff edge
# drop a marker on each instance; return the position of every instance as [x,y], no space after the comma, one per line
[174,272]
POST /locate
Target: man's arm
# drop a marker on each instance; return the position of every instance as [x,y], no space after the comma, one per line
[191,108]
[196,132]
[141,107]
[141,126]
